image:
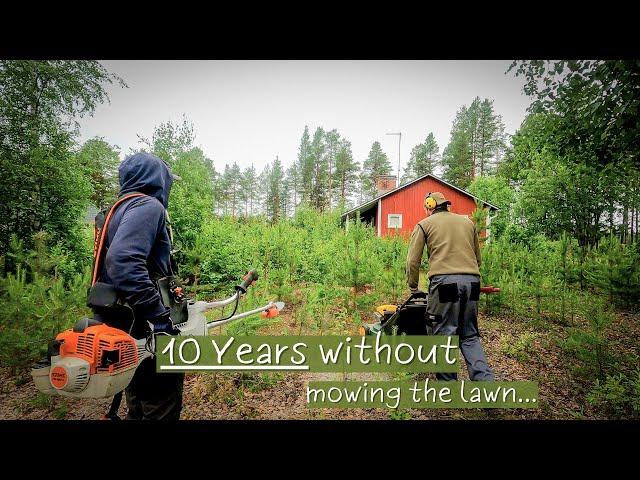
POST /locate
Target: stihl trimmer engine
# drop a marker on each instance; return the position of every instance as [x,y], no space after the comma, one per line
[91,360]
[94,360]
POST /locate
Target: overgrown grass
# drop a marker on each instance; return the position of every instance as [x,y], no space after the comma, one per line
[518,347]
[331,278]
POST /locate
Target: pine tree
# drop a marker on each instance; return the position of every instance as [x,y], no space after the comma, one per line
[232,189]
[471,123]
[346,173]
[320,170]
[424,158]
[293,181]
[223,191]
[305,166]
[285,201]
[376,164]
[218,192]
[490,139]
[263,191]
[275,197]
[457,157]
[410,168]
[249,183]
[431,156]
[483,132]
[332,142]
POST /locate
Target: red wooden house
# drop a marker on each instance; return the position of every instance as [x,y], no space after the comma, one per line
[396,210]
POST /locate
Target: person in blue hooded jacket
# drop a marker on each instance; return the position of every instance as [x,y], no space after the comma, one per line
[138,253]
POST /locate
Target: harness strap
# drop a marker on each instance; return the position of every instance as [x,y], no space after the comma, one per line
[112,414]
[97,252]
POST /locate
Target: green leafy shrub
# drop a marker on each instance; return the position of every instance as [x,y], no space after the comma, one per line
[618,395]
[614,268]
[590,346]
[497,191]
[399,414]
[37,302]
[392,280]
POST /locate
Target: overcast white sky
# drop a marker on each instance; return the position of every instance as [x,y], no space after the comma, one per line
[251,111]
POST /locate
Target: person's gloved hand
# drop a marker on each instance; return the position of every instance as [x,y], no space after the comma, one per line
[165,326]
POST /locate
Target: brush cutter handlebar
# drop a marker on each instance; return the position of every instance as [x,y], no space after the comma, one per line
[198,324]
[247,280]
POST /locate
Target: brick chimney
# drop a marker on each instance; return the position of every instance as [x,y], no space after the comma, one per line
[384,183]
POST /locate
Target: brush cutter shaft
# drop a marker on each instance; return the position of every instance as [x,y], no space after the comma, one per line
[255,311]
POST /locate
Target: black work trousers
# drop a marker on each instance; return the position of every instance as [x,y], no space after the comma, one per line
[154,396]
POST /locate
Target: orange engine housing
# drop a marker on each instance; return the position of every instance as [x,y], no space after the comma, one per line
[107,349]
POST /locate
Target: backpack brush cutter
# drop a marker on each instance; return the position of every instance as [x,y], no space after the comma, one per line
[94,360]
[408,318]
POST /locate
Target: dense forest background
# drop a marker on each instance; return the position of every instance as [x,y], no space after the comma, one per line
[564,245]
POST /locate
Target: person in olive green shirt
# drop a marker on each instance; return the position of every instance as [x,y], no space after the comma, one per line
[454,280]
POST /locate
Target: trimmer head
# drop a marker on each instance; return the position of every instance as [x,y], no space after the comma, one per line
[273,311]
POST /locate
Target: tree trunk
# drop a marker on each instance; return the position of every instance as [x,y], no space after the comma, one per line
[611,221]
[343,187]
[330,181]
[637,221]
[295,190]
[625,223]
[634,225]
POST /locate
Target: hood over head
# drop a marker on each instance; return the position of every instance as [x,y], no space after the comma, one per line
[148,174]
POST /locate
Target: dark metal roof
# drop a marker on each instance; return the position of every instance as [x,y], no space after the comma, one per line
[369,204]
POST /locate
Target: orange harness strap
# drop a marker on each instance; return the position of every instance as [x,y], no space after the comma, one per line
[97,253]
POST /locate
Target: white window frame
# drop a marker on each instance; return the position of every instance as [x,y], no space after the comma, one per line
[399,216]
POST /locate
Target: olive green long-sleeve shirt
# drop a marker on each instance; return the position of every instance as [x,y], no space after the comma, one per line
[452,246]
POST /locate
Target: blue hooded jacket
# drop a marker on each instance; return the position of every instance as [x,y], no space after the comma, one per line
[137,241]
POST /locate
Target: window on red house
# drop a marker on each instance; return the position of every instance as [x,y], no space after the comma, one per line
[394,220]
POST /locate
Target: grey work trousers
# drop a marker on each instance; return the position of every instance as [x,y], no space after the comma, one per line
[453,310]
